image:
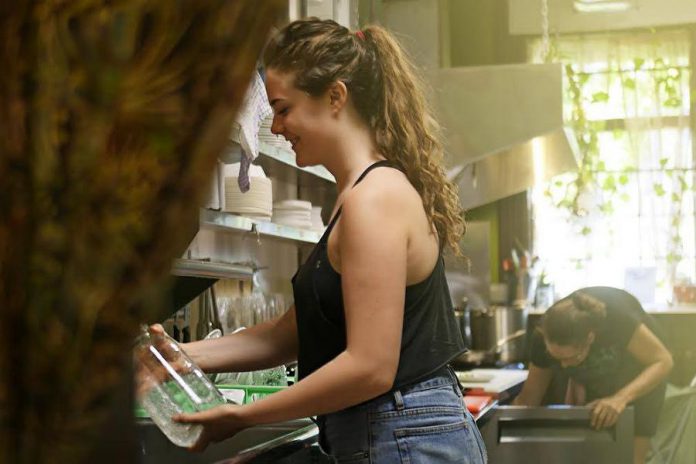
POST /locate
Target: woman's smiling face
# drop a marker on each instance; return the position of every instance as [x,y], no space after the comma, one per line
[305,121]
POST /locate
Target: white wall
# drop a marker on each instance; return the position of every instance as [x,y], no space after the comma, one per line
[525,16]
[344,12]
[416,24]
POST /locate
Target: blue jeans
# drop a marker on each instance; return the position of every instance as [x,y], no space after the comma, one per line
[422,423]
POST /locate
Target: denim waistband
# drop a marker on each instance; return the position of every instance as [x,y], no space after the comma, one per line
[444,376]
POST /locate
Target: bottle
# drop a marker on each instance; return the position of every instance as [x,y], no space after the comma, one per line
[168,382]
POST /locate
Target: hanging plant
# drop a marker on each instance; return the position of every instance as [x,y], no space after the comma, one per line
[586,133]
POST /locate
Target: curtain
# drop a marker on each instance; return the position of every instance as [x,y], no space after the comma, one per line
[626,218]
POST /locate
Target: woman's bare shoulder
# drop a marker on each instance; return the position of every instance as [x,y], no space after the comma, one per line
[387,187]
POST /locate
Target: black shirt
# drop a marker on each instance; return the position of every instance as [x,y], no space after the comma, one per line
[608,366]
[430,336]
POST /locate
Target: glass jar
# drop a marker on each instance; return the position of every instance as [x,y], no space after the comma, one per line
[168,382]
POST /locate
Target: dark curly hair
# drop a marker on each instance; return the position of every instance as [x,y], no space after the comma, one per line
[570,320]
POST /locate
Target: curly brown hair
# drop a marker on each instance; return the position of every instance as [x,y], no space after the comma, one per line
[387,93]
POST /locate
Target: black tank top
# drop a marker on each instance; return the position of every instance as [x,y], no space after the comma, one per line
[430,335]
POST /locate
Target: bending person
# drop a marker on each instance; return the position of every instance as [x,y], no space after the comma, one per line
[607,346]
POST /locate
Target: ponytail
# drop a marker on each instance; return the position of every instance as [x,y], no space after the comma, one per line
[408,135]
[388,96]
[570,321]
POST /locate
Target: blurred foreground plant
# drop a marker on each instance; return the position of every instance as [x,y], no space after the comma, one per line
[112,114]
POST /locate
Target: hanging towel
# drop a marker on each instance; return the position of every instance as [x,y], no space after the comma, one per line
[254,110]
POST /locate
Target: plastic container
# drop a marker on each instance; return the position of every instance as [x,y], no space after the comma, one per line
[168,382]
[253,392]
[243,394]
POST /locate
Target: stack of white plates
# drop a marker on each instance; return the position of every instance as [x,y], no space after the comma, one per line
[317,223]
[293,213]
[257,202]
[266,136]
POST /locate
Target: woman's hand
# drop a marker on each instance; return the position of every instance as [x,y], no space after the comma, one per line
[606,411]
[218,423]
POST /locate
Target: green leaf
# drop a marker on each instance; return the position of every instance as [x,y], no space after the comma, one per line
[586,230]
[625,197]
[601,166]
[598,126]
[670,89]
[663,162]
[638,63]
[659,190]
[623,179]
[600,97]
[629,83]
[682,183]
[675,197]
[609,184]
[672,102]
[607,207]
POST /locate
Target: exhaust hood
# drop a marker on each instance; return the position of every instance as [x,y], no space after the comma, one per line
[503,128]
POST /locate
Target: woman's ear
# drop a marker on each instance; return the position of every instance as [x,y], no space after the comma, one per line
[338,95]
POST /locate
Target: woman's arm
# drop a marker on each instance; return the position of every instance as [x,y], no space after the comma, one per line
[373,251]
[373,243]
[534,387]
[649,351]
[265,345]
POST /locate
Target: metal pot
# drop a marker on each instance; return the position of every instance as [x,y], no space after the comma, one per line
[483,329]
[511,324]
[499,330]
[461,315]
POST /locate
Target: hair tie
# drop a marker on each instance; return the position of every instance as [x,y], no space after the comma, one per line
[360,34]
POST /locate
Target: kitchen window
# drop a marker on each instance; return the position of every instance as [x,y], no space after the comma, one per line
[627,218]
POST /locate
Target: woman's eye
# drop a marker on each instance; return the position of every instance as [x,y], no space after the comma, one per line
[284,111]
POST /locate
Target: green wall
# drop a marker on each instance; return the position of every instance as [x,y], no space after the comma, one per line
[489,213]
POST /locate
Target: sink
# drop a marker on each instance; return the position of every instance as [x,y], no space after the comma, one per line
[155,448]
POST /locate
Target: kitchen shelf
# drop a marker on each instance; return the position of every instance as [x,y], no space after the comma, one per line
[238,224]
[288,157]
[280,154]
[210,270]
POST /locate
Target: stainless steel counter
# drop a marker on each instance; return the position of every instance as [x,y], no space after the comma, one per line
[279,449]
[515,434]
[260,444]
[285,443]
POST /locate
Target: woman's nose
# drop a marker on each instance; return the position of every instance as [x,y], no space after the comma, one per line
[276,126]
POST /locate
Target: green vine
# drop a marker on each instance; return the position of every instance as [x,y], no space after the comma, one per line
[592,176]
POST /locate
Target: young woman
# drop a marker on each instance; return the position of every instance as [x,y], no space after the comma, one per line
[372,326]
[604,342]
